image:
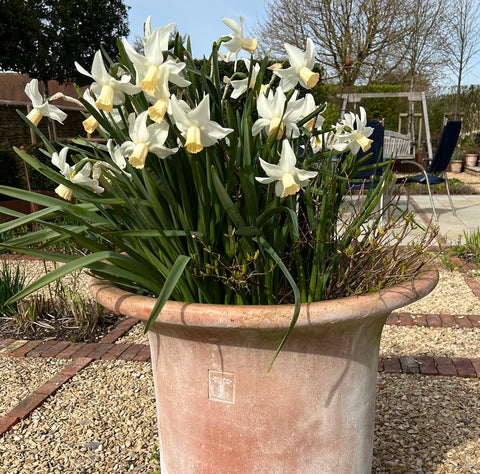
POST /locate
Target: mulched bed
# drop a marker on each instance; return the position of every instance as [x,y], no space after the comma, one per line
[48,328]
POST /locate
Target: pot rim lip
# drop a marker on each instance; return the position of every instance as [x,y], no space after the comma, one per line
[381,302]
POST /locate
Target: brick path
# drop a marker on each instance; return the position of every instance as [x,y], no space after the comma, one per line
[106,349]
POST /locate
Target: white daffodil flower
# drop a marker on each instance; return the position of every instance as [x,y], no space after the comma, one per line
[237,41]
[168,72]
[41,108]
[321,142]
[78,177]
[240,86]
[289,179]
[353,133]
[117,156]
[145,139]
[309,106]
[300,70]
[160,97]
[274,115]
[195,124]
[118,159]
[316,143]
[149,67]
[316,123]
[90,124]
[110,91]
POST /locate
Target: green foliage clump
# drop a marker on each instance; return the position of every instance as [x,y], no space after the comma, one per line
[12,280]
[44,38]
[468,251]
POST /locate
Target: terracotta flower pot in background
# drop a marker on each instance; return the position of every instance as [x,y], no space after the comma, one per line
[220,409]
[471,160]
[456,166]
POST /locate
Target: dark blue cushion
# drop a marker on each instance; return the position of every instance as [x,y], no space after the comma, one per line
[420,178]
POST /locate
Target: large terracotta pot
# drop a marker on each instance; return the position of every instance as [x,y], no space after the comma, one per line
[219,408]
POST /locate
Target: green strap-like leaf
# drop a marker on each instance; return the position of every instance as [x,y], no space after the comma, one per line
[26,219]
[227,202]
[148,233]
[168,287]
[296,292]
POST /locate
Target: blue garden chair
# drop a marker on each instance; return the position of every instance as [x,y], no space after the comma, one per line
[435,173]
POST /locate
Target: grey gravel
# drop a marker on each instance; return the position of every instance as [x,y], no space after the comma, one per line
[433,342]
[420,425]
[101,421]
[134,336]
[451,296]
[20,377]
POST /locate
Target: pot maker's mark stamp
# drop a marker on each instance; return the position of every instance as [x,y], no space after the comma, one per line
[221,386]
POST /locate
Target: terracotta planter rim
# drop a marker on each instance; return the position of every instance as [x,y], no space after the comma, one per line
[256,316]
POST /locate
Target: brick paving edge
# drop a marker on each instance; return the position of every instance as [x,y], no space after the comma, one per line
[78,352]
[463,321]
[35,399]
[427,365]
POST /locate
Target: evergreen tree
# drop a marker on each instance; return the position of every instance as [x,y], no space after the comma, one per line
[44,38]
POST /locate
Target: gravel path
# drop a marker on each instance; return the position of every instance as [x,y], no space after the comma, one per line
[102,421]
[427,425]
[433,342]
[20,377]
[472,180]
[451,296]
[134,336]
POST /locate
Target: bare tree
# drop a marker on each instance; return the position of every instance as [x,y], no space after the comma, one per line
[350,35]
[463,41]
[362,40]
[285,23]
[417,57]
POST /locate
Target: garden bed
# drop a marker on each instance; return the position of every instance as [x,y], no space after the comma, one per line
[64,310]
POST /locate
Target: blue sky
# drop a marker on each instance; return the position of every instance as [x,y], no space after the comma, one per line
[202,20]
